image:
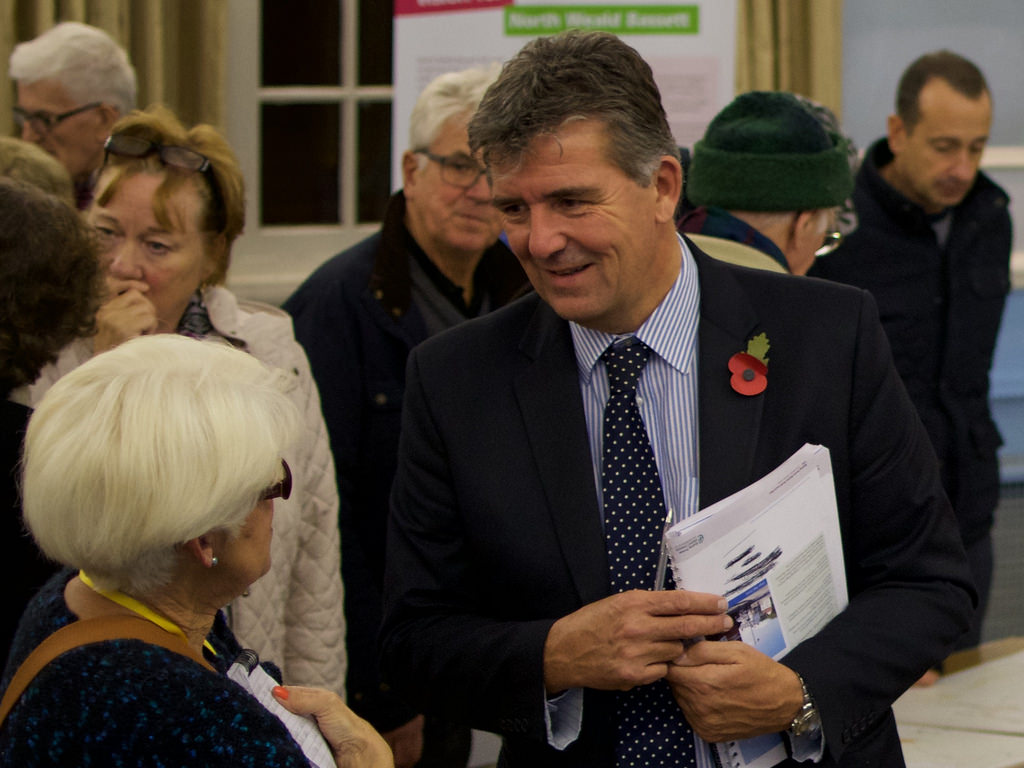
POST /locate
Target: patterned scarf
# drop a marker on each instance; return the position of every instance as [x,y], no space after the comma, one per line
[195,321]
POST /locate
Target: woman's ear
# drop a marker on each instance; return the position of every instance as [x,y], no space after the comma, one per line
[201,549]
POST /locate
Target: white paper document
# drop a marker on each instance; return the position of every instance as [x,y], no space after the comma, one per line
[775,552]
[252,677]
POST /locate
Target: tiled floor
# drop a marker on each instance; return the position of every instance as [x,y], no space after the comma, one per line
[1006,609]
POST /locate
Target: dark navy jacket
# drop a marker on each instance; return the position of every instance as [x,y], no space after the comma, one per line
[941,309]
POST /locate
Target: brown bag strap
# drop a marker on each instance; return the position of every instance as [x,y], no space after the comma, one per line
[86,632]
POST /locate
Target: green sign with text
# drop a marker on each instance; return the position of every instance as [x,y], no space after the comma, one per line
[617,19]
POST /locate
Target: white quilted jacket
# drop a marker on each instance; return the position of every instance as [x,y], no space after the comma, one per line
[293,616]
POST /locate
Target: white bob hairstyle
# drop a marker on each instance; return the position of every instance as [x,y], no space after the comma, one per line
[144,447]
[85,60]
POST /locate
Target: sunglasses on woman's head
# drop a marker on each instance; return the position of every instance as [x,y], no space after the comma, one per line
[182,158]
[281,489]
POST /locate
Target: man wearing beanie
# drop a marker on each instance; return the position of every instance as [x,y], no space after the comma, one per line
[933,247]
[768,178]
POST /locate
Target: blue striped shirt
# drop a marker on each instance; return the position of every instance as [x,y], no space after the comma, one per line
[667,397]
[666,392]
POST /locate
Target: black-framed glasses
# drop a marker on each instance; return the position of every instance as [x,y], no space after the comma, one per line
[282,489]
[126,145]
[182,158]
[832,241]
[459,170]
[44,122]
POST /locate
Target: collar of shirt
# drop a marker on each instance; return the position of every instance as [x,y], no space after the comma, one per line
[670,331]
[452,292]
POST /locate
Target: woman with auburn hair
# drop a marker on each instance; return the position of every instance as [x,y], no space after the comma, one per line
[169,203]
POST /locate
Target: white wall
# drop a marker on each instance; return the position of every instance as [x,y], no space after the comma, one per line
[881,37]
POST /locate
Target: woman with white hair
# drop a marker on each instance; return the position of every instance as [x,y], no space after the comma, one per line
[151,471]
[170,203]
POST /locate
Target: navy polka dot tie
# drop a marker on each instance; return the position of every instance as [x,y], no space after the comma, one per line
[651,728]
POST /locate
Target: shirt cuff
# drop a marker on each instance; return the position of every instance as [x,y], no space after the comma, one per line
[563,717]
[807,748]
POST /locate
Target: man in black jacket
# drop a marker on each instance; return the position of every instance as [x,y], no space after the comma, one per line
[933,246]
[527,510]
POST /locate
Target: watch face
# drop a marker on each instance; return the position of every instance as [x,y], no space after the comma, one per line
[806,721]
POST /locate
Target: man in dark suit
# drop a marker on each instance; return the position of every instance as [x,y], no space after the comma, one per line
[505,601]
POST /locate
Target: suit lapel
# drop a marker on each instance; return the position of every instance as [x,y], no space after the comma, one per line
[552,408]
[729,422]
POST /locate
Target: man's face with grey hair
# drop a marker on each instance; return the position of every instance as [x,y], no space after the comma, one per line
[77,140]
[450,217]
[597,246]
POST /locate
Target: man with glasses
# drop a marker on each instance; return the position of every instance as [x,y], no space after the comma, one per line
[768,179]
[73,82]
[436,262]
[933,247]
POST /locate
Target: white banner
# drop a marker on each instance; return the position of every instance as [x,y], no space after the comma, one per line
[690,47]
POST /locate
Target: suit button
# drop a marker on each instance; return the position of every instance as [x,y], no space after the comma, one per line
[380,399]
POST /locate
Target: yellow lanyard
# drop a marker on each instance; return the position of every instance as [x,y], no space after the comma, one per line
[129,602]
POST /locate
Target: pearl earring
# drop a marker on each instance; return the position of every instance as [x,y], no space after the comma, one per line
[214,561]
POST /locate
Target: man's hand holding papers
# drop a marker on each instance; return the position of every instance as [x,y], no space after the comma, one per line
[731,691]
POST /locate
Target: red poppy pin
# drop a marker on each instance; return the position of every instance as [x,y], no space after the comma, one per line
[750,368]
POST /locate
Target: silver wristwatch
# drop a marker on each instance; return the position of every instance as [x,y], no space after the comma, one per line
[807,720]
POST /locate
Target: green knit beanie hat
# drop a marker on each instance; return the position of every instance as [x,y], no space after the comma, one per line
[766,152]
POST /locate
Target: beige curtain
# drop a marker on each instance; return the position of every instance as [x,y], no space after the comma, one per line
[176,46]
[791,45]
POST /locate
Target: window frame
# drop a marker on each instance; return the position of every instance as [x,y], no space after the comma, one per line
[269,262]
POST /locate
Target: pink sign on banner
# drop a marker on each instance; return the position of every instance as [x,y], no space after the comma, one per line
[410,7]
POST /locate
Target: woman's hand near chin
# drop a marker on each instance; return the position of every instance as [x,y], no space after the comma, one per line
[125,314]
[353,741]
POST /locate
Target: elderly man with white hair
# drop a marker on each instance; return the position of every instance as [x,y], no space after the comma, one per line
[73,82]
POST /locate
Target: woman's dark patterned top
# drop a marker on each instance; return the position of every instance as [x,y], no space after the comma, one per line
[129,703]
